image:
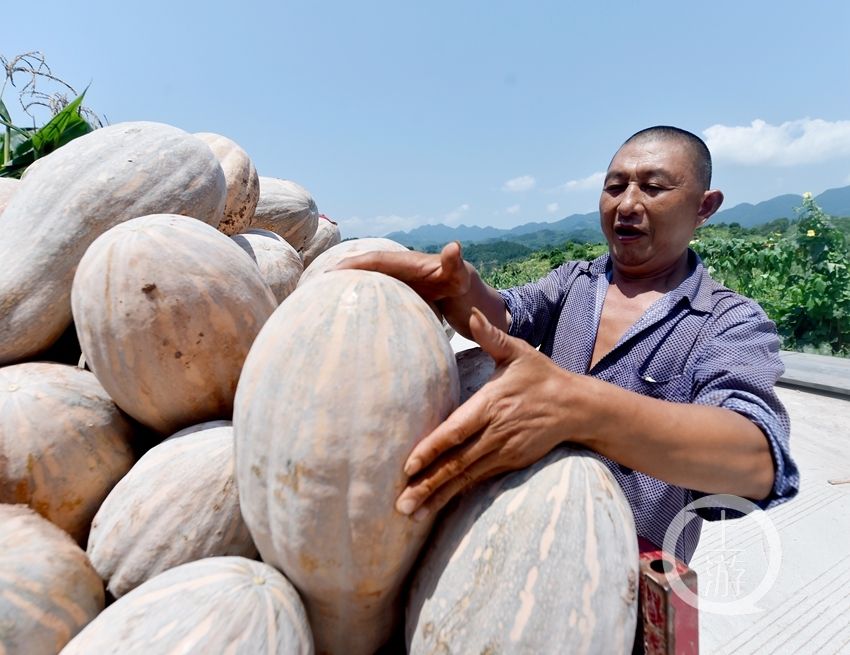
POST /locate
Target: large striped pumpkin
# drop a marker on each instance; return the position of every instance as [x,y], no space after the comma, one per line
[63,443]
[542,560]
[328,260]
[349,373]
[166,308]
[48,589]
[176,505]
[77,193]
[228,605]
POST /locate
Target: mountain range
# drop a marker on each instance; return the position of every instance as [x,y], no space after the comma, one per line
[585,227]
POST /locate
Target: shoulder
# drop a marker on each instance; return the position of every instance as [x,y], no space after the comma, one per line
[726,307]
[569,271]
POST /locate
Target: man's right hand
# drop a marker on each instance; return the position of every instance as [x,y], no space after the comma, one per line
[446,279]
[434,277]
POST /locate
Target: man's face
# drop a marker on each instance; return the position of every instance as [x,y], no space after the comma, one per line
[651,203]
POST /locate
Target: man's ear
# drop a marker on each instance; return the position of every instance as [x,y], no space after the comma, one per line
[711,201]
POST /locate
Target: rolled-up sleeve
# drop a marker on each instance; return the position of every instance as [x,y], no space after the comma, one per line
[737,370]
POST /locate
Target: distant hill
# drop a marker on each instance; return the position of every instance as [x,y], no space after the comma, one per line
[578,227]
[835,202]
[747,215]
[585,227]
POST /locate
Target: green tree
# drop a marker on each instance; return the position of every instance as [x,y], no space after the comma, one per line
[800,278]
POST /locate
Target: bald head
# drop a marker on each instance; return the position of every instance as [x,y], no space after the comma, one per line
[696,146]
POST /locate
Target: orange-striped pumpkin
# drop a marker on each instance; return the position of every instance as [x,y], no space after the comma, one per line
[215,605]
[178,504]
[328,260]
[344,379]
[48,589]
[75,194]
[63,443]
[166,308]
[542,560]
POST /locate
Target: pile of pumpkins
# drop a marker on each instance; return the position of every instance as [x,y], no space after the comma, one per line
[218,471]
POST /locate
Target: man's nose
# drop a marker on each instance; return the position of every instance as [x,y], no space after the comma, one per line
[631,201]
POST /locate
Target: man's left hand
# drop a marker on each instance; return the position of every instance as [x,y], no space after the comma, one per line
[510,423]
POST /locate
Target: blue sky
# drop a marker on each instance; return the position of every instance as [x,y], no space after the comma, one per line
[397,114]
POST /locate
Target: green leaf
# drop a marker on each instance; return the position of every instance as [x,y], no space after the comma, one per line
[65,126]
[4,113]
[29,145]
[15,128]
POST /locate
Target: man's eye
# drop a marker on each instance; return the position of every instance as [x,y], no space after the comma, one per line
[652,188]
[614,188]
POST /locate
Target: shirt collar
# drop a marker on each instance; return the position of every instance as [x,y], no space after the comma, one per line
[697,288]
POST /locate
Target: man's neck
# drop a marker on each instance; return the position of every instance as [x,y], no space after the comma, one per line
[660,281]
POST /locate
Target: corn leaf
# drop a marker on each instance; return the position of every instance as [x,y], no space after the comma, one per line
[65,126]
[6,119]
[28,145]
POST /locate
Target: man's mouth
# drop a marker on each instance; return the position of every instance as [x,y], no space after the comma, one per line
[627,232]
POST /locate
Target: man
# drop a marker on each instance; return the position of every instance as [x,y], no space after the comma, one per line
[642,357]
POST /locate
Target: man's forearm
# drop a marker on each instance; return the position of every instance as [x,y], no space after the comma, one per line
[709,449]
[480,295]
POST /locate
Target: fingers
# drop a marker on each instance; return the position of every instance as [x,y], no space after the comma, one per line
[451,260]
[424,273]
[466,421]
[404,266]
[496,343]
[426,500]
[451,471]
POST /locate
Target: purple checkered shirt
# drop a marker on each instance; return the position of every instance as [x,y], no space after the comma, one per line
[700,343]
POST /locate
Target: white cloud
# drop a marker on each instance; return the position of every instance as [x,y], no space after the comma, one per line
[455,215]
[804,141]
[513,209]
[521,183]
[552,207]
[377,225]
[593,181]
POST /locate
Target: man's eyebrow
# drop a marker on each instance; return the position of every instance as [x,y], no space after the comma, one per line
[658,173]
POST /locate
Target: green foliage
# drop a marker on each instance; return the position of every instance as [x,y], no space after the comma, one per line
[21,146]
[799,275]
[540,263]
[32,144]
